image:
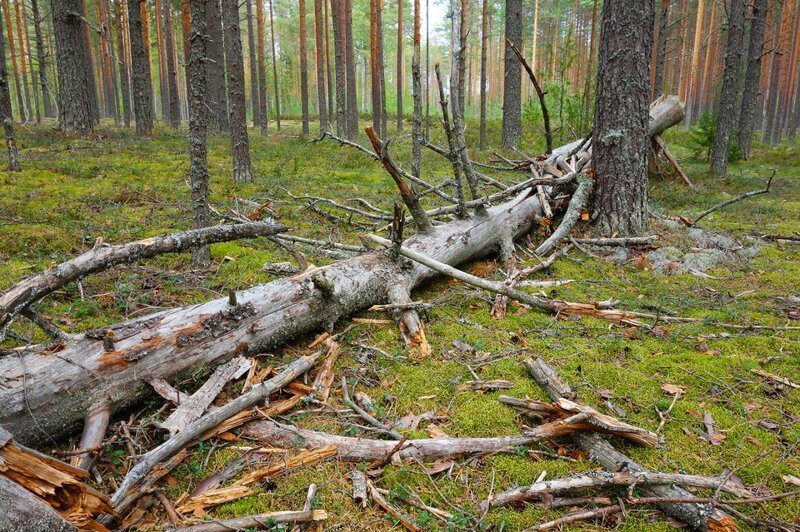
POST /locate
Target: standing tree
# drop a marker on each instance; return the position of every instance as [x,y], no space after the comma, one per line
[12,51]
[319,46]
[400,65]
[619,141]
[74,98]
[374,64]
[771,98]
[303,68]
[512,97]
[140,71]
[110,89]
[252,54]
[752,81]
[215,82]
[329,77]
[198,162]
[172,68]
[263,112]
[350,62]
[661,50]
[5,108]
[240,145]
[274,67]
[484,66]
[163,85]
[122,59]
[727,112]
[416,93]
[23,60]
[40,56]
[337,9]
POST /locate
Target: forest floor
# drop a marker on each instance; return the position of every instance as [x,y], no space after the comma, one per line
[115,185]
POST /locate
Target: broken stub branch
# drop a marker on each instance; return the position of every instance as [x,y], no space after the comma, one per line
[102,257]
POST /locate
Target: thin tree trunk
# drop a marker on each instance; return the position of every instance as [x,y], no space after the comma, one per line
[350,63]
[337,8]
[172,68]
[122,60]
[263,113]
[47,106]
[329,76]
[587,87]
[512,104]
[252,53]
[382,68]
[484,66]
[5,108]
[427,69]
[620,139]
[303,68]
[375,83]
[109,82]
[319,48]
[198,162]
[12,47]
[240,144]
[787,94]
[691,93]
[215,82]
[140,67]
[89,62]
[275,67]
[416,93]
[74,86]
[163,86]
[727,115]
[752,83]
[701,99]
[399,82]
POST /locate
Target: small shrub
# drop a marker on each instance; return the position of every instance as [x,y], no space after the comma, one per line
[701,138]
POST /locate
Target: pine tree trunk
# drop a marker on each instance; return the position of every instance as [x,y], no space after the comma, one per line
[23,60]
[691,93]
[787,91]
[122,59]
[512,103]
[587,87]
[240,145]
[5,108]
[416,94]
[620,140]
[275,85]
[252,53]
[215,81]
[350,66]
[771,98]
[752,82]
[381,69]
[163,85]
[484,57]
[263,101]
[303,69]
[198,116]
[337,9]
[89,63]
[140,71]
[328,71]
[109,80]
[47,106]
[702,98]
[727,111]
[174,117]
[12,52]
[399,81]
[74,107]
[319,49]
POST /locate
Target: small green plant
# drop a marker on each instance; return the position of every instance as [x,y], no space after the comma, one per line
[702,135]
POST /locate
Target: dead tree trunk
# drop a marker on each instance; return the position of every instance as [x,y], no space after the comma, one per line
[21,510]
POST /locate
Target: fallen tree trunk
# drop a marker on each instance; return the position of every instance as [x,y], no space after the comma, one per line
[48,391]
[21,510]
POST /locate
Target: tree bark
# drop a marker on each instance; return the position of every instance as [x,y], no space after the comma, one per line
[303,69]
[21,510]
[172,68]
[252,53]
[217,101]
[350,66]
[240,144]
[484,66]
[198,127]
[274,67]
[416,93]
[320,24]
[47,105]
[587,87]
[263,113]
[374,67]
[620,137]
[727,111]
[337,8]
[23,60]
[12,51]
[140,71]
[691,93]
[752,82]
[771,97]
[399,82]
[122,59]
[5,109]
[89,62]
[74,87]
[512,103]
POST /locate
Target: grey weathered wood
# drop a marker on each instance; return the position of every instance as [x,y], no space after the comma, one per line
[22,510]
[256,522]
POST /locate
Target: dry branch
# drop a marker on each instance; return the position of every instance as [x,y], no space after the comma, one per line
[744,196]
[662,146]
[259,522]
[578,202]
[101,258]
[548,134]
[391,510]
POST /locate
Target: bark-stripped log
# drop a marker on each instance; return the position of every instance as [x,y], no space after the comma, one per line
[102,258]
[20,510]
[46,395]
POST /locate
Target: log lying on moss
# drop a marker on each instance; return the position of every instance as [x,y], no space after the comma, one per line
[47,392]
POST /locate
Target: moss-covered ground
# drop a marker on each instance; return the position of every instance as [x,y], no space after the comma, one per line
[120,187]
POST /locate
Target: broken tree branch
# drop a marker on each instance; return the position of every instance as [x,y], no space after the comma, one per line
[744,196]
[548,134]
[101,258]
[576,205]
[258,522]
